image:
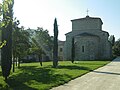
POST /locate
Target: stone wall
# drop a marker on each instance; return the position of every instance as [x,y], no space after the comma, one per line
[61,50]
[87,24]
[86,47]
[68,48]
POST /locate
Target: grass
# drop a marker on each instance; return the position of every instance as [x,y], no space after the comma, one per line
[31,76]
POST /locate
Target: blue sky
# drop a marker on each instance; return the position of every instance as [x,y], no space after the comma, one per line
[41,13]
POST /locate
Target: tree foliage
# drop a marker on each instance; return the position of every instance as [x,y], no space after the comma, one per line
[42,43]
[7,28]
[14,43]
[3,43]
[55,47]
[116,48]
[112,40]
[31,42]
[44,38]
[37,50]
[21,43]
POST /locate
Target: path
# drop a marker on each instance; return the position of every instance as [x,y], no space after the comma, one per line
[104,78]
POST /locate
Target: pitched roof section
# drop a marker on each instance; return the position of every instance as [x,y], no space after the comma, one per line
[86,18]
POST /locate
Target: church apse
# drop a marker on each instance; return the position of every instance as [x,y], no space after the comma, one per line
[91,42]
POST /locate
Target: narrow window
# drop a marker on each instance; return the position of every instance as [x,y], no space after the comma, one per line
[61,50]
[82,48]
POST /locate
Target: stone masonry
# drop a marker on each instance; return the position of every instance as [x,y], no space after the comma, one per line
[90,41]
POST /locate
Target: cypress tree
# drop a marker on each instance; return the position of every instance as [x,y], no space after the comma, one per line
[73,50]
[55,47]
[6,53]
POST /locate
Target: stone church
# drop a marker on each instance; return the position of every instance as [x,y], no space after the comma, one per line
[90,41]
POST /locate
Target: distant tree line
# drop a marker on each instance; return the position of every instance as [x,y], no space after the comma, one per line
[115,46]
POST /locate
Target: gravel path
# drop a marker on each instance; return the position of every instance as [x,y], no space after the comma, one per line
[104,78]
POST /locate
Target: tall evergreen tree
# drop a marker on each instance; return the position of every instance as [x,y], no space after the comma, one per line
[73,50]
[6,53]
[55,47]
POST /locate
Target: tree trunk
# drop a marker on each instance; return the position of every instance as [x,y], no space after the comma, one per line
[13,64]
[19,62]
[40,60]
[16,60]
[6,79]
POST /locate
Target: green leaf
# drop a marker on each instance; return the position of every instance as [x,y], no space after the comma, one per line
[3,43]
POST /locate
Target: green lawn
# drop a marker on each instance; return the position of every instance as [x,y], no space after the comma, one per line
[31,76]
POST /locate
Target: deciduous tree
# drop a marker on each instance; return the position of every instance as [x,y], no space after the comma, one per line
[42,43]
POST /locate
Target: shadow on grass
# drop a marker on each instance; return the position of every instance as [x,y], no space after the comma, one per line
[1,87]
[12,84]
[43,75]
[32,75]
[16,85]
[91,63]
[75,67]
[0,73]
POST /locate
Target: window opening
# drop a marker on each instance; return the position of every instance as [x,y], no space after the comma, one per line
[83,49]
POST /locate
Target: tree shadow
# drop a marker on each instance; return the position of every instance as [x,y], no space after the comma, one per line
[0,73]
[1,87]
[88,63]
[44,75]
[41,75]
[16,85]
[75,67]
[107,72]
